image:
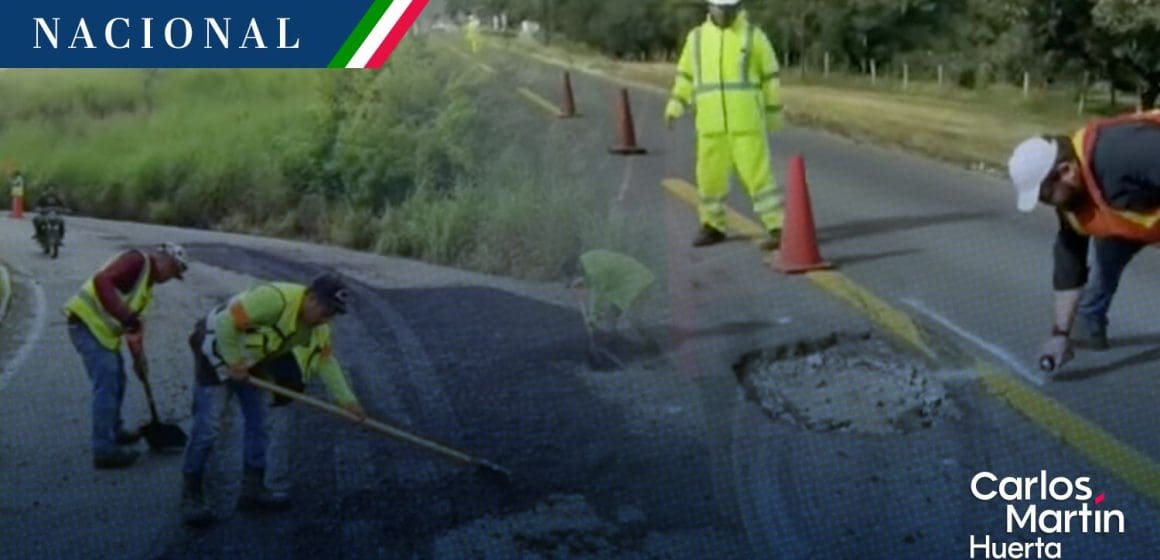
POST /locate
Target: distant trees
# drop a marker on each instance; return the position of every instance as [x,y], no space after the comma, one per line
[1114,40]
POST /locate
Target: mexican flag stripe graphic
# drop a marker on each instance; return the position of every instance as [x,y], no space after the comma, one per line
[378,33]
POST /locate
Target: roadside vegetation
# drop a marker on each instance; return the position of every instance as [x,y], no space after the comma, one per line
[975,127]
[400,161]
[844,61]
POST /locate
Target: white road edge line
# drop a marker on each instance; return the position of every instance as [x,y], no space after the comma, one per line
[6,285]
[33,337]
[1002,355]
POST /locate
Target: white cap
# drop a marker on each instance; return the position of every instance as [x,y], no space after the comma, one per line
[724,2]
[1031,163]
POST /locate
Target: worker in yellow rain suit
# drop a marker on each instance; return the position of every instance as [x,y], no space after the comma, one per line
[473,33]
[728,73]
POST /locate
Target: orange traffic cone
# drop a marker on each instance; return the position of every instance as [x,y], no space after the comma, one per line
[17,207]
[799,245]
[568,110]
[627,146]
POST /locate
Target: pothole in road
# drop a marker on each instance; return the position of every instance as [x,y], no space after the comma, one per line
[846,382]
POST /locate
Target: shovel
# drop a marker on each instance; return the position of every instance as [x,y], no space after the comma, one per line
[159,436]
[483,466]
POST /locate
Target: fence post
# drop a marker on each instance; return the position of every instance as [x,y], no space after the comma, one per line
[1082,104]
[1026,84]
[873,71]
[940,75]
[905,75]
[826,65]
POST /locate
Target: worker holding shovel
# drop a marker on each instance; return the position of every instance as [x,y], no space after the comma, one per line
[278,331]
[106,309]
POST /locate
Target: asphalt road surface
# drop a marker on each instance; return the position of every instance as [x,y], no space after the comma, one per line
[667,458]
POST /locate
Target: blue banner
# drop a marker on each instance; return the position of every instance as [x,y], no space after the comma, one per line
[176,34]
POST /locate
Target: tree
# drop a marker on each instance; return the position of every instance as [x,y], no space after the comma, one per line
[1116,39]
[1132,31]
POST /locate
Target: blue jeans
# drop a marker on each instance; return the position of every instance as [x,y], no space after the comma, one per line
[1110,257]
[209,404]
[106,369]
[210,399]
[283,370]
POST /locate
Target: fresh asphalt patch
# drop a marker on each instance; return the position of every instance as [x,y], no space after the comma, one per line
[492,373]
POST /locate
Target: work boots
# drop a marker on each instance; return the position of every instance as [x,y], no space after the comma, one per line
[256,497]
[194,509]
[708,236]
[1090,334]
[125,437]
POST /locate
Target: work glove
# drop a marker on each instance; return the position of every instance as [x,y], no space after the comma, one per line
[673,111]
[238,372]
[133,326]
[774,121]
[1055,353]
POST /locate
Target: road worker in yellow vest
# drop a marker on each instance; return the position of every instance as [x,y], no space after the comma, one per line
[109,307]
[473,37]
[728,75]
[279,331]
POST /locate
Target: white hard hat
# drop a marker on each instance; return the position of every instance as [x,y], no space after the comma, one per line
[723,2]
[1031,162]
[177,252]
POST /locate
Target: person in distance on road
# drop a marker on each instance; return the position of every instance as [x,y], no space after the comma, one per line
[728,73]
[278,331]
[472,31]
[108,308]
[50,199]
[1104,184]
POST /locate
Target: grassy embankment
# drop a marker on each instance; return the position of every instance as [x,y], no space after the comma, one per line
[966,126]
[400,161]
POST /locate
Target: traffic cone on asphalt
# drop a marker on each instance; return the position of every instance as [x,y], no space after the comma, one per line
[799,244]
[568,110]
[17,207]
[627,145]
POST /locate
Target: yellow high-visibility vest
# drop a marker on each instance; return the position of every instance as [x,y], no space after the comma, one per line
[730,76]
[86,306]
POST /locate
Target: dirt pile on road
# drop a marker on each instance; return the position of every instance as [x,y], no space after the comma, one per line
[845,383]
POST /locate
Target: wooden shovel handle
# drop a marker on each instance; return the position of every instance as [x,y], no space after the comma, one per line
[368,422]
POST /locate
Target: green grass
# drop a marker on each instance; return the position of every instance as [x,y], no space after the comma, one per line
[975,127]
[401,161]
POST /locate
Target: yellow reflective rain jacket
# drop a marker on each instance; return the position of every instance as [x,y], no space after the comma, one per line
[730,77]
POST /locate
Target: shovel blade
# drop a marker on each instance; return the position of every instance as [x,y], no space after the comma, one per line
[163,437]
[492,473]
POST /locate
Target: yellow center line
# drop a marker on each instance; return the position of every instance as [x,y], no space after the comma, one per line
[594,72]
[738,223]
[1098,445]
[481,65]
[538,101]
[524,92]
